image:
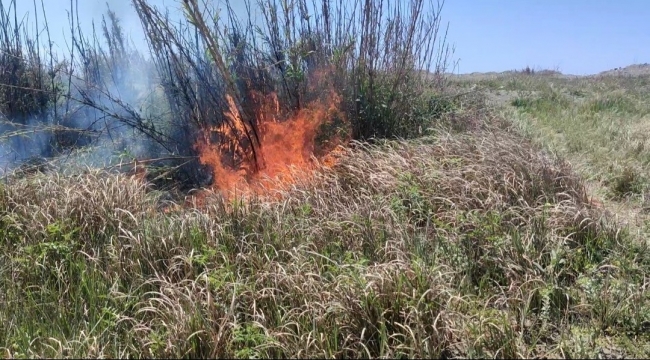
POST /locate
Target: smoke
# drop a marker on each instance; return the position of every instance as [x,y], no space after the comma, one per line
[110,105]
[127,103]
[21,143]
[116,108]
[95,132]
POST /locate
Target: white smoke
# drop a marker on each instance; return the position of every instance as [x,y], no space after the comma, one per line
[132,82]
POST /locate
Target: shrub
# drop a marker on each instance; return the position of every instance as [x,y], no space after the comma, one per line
[302,52]
[27,90]
[628,182]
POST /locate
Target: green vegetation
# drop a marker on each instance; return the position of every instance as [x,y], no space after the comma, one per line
[598,123]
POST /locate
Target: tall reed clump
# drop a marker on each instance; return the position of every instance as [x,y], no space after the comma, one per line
[370,53]
[194,80]
[52,107]
[31,87]
[376,49]
[27,89]
[108,83]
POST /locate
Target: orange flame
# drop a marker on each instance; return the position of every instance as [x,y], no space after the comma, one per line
[287,148]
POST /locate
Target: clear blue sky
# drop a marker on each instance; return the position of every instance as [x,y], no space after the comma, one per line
[576,36]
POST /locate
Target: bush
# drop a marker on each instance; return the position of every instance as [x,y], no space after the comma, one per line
[302,53]
[211,64]
[628,182]
[27,90]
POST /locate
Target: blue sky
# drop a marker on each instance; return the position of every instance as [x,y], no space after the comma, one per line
[578,36]
[575,36]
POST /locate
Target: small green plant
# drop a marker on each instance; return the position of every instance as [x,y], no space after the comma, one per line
[612,104]
[628,182]
[246,339]
[577,93]
[522,102]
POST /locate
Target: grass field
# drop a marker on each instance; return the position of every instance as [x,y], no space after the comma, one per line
[471,241]
[601,124]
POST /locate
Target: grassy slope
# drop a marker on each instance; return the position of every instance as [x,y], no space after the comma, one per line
[601,124]
[466,244]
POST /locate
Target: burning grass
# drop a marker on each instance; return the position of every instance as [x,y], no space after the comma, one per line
[472,245]
[287,149]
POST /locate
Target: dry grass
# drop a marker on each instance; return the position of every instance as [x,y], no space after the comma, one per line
[471,245]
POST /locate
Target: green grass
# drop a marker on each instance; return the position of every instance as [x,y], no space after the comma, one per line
[600,124]
[466,245]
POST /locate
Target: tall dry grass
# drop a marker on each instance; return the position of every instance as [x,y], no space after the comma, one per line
[465,245]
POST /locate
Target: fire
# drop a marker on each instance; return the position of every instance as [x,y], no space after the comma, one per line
[287,150]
